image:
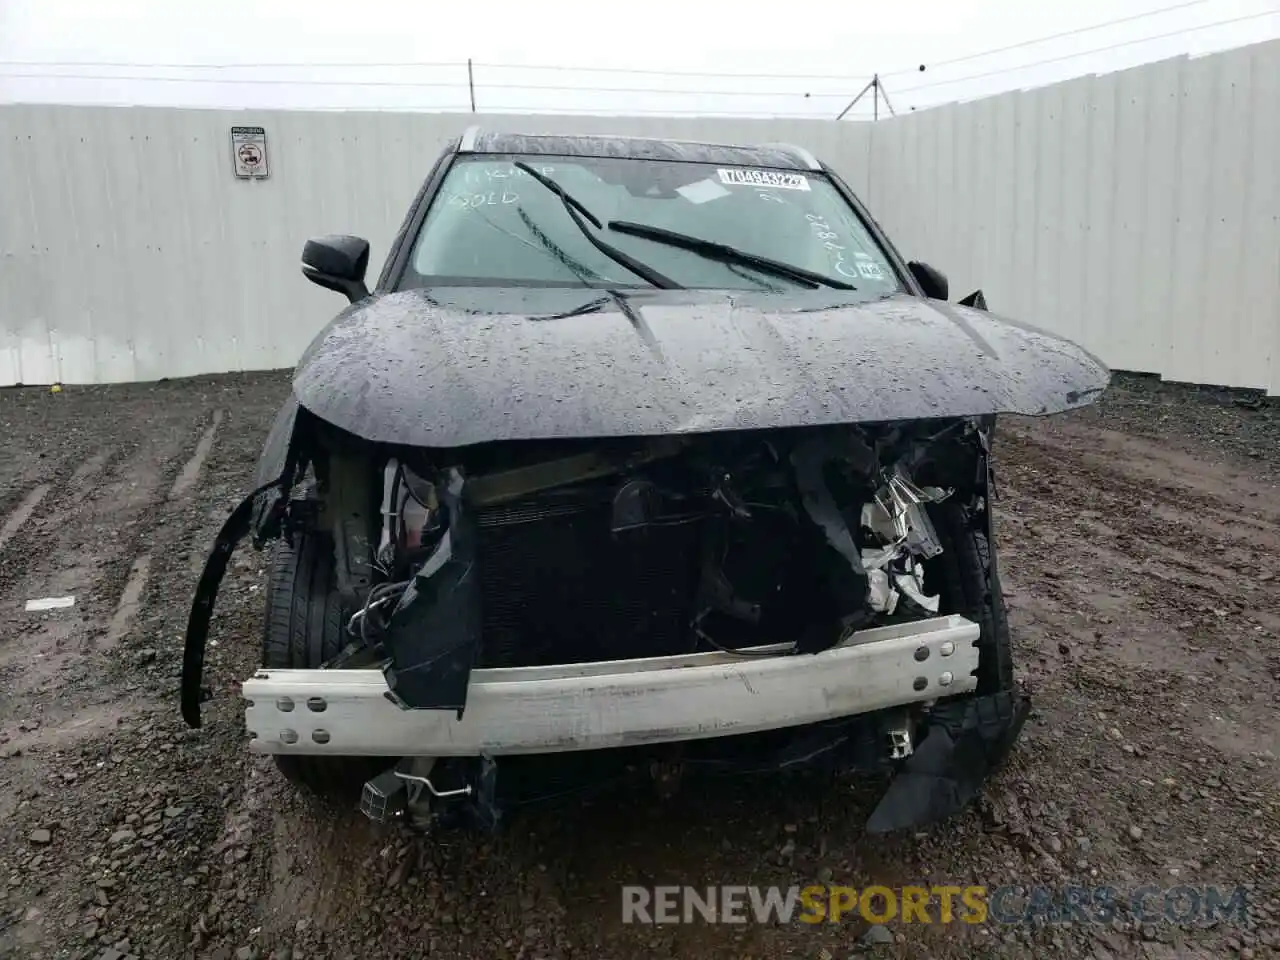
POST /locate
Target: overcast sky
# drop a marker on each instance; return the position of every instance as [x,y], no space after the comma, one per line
[540,54]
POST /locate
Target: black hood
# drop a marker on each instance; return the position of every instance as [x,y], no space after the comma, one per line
[416,368]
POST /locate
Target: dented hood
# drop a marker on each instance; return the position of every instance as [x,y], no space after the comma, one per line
[425,368]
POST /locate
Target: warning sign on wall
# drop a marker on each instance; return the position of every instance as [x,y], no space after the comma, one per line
[249,152]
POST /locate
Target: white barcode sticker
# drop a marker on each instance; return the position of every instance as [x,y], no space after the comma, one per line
[738,177]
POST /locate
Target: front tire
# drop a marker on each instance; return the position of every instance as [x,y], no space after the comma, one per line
[967,582]
[304,629]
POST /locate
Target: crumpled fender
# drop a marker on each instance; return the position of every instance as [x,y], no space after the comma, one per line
[260,513]
[966,741]
[275,449]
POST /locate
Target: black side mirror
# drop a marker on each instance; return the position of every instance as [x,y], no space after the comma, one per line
[337,263]
[932,281]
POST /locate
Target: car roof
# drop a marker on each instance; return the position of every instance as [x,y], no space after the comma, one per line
[778,155]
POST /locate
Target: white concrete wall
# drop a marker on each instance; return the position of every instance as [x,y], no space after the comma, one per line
[1137,212]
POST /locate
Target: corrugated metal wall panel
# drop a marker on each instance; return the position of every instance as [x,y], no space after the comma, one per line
[1125,285]
[1137,212]
[19,312]
[1223,343]
[1197,127]
[1098,154]
[1160,186]
[1259,282]
[1077,186]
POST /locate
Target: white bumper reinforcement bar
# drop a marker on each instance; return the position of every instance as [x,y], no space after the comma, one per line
[588,706]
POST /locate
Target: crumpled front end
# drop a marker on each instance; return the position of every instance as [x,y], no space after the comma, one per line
[777,562]
[646,549]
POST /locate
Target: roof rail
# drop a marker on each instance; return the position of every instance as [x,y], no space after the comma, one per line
[803,155]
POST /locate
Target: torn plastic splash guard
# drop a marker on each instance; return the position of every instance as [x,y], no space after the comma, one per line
[967,741]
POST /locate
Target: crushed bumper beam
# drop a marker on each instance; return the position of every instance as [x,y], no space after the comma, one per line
[589,706]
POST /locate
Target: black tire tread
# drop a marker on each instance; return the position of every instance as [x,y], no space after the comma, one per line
[967,580]
[304,628]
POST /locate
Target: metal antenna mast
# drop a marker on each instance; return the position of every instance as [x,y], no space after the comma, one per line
[876,89]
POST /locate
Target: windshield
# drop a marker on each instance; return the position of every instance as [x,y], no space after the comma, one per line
[493,224]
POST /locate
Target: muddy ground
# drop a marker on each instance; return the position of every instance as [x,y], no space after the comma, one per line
[1141,546]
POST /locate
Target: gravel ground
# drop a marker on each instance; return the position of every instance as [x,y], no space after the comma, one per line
[1140,539]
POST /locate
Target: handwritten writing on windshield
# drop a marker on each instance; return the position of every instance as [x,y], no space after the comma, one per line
[491,198]
[863,267]
[475,174]
[489,185]
[822,231]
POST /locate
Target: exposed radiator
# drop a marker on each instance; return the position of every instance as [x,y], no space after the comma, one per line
[559,587]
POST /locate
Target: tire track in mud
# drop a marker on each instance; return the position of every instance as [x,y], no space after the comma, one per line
[1130,585]
[130,602]
[155,519]
[236,787]
[1093,493]
[190,473]
[53,674]
[184,482]
[247,786]
[64,486]
[1173,550]
[34,646]
[27,506]
[1139,640]
[92,540]
[40,470]
[1147,468]
[58,548]
[22,513]
[168,488]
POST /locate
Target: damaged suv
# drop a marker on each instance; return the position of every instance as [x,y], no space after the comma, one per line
[642,449]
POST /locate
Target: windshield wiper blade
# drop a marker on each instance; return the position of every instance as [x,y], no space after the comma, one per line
[727,254]
[577,211]
[559,191]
